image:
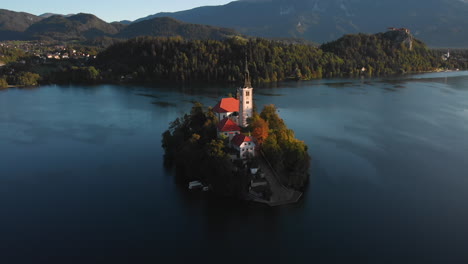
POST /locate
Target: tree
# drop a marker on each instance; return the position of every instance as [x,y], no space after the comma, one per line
[269,113]
[288,155]
[259,128]
[3,83]
[92,73]
[28,79]
[215,149]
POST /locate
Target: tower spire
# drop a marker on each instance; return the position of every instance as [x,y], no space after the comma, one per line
[247,82]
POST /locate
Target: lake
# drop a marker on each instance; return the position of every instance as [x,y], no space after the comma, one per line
[82,177]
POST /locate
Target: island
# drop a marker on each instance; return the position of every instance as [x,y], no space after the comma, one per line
[237,152]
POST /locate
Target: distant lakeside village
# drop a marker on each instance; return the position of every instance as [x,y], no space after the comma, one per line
[239,144]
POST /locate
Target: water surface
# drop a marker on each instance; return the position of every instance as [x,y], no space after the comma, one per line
[82,179]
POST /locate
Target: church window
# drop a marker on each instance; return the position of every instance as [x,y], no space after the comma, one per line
[247,102]
[247,93]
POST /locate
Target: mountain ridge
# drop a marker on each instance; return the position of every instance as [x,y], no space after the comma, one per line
[170,27]
[88,27]
[440,23]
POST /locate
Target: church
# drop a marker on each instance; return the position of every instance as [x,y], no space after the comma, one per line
[233,114]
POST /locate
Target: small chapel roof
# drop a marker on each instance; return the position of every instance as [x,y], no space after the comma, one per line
[240,138]
[227,125]
[227,105]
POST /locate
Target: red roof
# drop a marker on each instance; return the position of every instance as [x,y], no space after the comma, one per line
[240,138]
[227,105]
[227,125]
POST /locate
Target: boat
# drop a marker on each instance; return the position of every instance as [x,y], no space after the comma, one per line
[195,185]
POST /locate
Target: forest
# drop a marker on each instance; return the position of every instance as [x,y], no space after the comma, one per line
[148,60]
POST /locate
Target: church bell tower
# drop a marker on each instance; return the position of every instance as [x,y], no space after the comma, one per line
[245,99]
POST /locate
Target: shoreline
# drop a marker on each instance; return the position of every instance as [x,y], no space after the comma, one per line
[229,84]
[281,194]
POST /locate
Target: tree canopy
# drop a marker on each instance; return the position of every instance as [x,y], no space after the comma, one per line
[148,59]
[3,83]
[191,146]
[288,155]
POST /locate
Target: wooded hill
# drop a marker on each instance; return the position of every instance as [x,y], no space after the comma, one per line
[176,59]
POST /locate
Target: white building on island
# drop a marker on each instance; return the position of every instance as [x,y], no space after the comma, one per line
[245,145]
[237,110]
[227,108]
[245,94]
[233,114]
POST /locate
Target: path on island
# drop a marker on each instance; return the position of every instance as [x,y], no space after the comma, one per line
[281,195]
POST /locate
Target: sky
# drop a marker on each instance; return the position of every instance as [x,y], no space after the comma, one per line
[107,10]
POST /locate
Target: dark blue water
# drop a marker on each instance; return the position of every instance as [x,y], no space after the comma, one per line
[82,178]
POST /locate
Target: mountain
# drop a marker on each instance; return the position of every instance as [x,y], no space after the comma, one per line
[125,22]
[169,27]
[13,24]
[440,23]
[46,15]
[89,28]
[76,27]
[16,21]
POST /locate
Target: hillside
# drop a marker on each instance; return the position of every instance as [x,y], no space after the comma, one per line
[13,24]
[16,21]
[87,27]
[169,27]
[174,59]
[76,27]
[440,23]
[383,53]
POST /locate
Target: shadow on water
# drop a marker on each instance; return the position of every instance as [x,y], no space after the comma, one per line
[339,85]
[189,101]
[164,104]
[270,94]
[149,95]
[390,89]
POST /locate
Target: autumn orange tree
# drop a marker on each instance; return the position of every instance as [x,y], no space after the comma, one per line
[259,128]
